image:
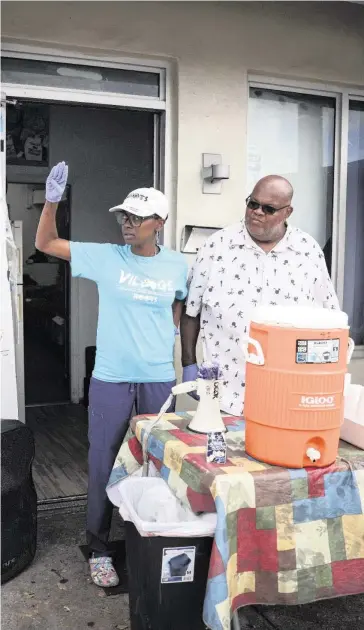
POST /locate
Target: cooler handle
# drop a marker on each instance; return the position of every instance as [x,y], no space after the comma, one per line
[351,346]
[251,357]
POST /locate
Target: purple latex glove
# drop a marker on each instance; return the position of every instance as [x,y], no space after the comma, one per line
[56,182]
[190,374]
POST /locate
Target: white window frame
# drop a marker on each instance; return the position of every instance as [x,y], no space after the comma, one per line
[163,126]
[78,59]
[342,95]
[357,95]
[161,105]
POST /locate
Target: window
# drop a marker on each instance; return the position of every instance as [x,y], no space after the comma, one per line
[293,135]
[80,77]
[354,236]
[316,141]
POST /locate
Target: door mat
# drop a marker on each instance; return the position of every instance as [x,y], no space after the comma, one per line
[117,549]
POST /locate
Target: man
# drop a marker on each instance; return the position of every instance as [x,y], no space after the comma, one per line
[260,261]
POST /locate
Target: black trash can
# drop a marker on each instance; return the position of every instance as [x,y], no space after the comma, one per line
[18,499]
[162,595]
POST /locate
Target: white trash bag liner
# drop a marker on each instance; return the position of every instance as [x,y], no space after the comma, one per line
[149,503]
[113,492]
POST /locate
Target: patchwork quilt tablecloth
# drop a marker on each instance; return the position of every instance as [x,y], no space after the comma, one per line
[283,536]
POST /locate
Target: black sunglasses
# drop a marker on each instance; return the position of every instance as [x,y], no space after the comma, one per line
[134,219]
[252,204]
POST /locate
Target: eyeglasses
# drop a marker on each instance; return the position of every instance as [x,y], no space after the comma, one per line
[134,219]
[252,204]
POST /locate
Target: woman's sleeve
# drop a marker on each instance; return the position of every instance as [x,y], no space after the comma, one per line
[88,259]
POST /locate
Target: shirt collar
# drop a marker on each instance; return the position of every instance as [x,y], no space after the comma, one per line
[241,238]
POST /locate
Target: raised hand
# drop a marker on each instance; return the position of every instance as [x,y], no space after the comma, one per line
[56,182]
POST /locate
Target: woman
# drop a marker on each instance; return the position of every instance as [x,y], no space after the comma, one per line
[141,287]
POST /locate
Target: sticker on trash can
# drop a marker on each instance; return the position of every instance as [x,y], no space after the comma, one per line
[317,350]
[178,564]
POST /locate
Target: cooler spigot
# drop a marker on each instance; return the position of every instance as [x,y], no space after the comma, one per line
[313,454]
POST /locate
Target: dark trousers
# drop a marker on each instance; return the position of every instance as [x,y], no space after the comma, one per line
[110,409]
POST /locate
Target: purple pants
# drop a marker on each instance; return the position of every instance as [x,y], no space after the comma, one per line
[110,409]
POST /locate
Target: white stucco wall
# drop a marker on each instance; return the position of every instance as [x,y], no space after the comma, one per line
[214,46]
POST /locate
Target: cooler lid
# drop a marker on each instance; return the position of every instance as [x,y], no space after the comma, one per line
[300,317]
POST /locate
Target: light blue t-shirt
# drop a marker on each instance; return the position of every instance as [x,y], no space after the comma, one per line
[135,332]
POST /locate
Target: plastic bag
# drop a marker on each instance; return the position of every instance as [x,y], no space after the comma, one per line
[354,403]
[113,492]
[352,429]
[155,511]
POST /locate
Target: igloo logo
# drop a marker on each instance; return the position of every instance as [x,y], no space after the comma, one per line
[317,401]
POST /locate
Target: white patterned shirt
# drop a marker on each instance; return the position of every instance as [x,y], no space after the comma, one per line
[232,275]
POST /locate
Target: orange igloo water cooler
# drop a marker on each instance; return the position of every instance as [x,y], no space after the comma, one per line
[295,376]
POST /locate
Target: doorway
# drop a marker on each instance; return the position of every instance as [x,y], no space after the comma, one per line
[110,151]
[45,284]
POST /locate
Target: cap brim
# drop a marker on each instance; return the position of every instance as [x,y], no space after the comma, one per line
[134,211]
[116,208]
[126,208]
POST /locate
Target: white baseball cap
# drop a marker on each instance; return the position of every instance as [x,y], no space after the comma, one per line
[144,202]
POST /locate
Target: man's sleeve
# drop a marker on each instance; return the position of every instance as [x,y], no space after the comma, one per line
[197,282]
[325,292]
[87,259]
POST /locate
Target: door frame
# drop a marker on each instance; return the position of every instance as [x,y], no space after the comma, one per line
[163,167]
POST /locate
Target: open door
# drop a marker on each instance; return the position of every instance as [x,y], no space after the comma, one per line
[10,305]
[3,144]
[43,286]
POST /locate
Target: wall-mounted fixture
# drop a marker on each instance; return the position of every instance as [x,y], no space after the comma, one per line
[194,236]
[38,197]
[213,173]
[35,197]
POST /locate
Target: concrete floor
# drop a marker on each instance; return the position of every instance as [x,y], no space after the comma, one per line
[56,593]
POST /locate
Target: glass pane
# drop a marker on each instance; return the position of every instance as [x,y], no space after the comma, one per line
[292,135]
[354,239]
[50,74]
